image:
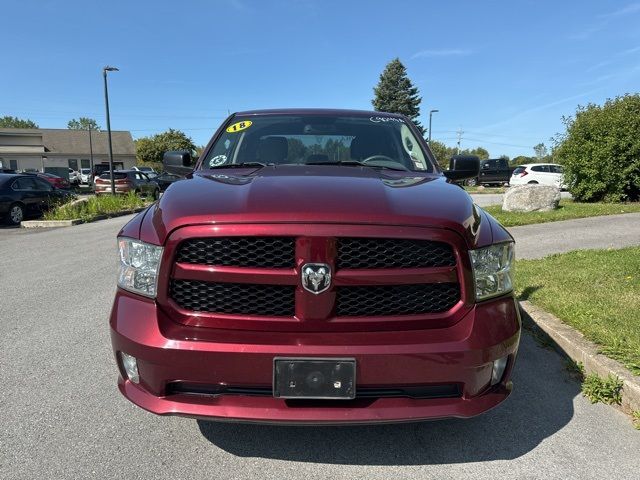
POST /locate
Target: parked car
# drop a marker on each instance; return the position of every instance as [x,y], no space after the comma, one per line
[55,180]
[85,176]
[127,181]
[74,177]
[23,195]
[542,173]
[145,169]
[493,171]
[165,179]
[316,267]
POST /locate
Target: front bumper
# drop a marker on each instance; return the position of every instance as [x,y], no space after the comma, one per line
[461,354]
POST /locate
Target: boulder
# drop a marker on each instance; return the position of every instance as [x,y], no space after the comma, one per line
[531,198]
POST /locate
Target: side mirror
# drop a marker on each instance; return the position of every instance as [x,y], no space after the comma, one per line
[462,167]
[177,162]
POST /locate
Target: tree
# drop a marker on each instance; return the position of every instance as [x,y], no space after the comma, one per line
[522,159]
[396,94]
[600,150]
[481,153]
[540,151]
[442,152]
[149,150]
[83,123]
[15,122]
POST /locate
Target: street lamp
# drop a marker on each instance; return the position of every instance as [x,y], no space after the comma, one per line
[431,112]
[106,104]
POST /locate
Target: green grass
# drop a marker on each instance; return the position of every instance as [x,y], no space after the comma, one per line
[95,206]
[595,291]
[566,211]
[604,390]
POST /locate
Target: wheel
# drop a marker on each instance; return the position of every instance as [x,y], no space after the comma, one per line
[533,182]
[472,182]
[137,192]
[16,214]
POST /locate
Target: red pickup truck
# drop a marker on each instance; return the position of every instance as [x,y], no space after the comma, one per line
[315,267]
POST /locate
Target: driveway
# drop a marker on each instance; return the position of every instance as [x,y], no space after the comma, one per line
[610,231]
[63,417]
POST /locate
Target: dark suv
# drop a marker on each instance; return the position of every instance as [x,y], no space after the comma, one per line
[315,266]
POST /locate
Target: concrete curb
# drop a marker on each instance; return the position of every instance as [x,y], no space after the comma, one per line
[75,221]
[579,349]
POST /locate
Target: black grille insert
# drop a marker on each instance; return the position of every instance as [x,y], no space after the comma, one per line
[234,298]
[396,299]
[447,390]
[265,252]
[393,253]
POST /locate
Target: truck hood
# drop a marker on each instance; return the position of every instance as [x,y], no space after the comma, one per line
[313,194]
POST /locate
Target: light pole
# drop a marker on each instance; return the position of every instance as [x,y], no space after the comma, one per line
[431,112]
[90,157]
[106,104]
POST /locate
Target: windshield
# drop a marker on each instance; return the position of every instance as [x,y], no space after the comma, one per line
[378,141]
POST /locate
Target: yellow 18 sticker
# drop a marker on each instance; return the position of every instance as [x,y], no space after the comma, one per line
[236,127]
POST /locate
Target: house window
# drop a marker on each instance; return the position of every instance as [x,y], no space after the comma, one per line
[85,163]
[73,163]
[13,164]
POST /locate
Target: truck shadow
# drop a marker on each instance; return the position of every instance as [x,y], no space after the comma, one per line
[540,405]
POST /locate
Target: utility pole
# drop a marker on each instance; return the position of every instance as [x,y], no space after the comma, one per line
[106,104]
[459,132]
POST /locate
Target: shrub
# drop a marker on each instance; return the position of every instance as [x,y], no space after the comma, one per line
[600,151]
[95,206]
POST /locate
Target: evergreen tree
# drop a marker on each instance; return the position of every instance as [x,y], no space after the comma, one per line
[396,94]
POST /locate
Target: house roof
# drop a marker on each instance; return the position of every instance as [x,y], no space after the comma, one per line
[65,141]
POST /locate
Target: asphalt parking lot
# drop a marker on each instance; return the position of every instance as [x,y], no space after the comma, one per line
[63,417]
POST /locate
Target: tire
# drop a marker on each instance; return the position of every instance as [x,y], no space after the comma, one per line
[472,182]
[16,214]
[533,182]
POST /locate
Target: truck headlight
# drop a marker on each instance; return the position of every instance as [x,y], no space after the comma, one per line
[492,270]
[139,265]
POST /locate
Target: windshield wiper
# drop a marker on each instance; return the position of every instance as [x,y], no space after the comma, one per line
[356,163]
[240,165]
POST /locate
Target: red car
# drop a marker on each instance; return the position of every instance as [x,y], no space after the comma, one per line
[54,180]
[315,267]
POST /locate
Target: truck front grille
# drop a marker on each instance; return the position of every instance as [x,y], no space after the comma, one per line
[393,253]
[266,252]
[396,299]
[234,298]
[261,276]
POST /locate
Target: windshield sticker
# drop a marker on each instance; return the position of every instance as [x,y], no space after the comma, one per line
[218,160]
[385,119]
[237,127]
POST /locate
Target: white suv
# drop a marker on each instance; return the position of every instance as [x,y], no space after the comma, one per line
[542,173]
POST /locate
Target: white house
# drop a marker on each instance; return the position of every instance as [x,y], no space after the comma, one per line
[42,148]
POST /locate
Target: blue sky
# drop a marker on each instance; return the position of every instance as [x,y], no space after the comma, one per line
[504,72]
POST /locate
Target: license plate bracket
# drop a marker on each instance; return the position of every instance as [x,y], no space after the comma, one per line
[314,378]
